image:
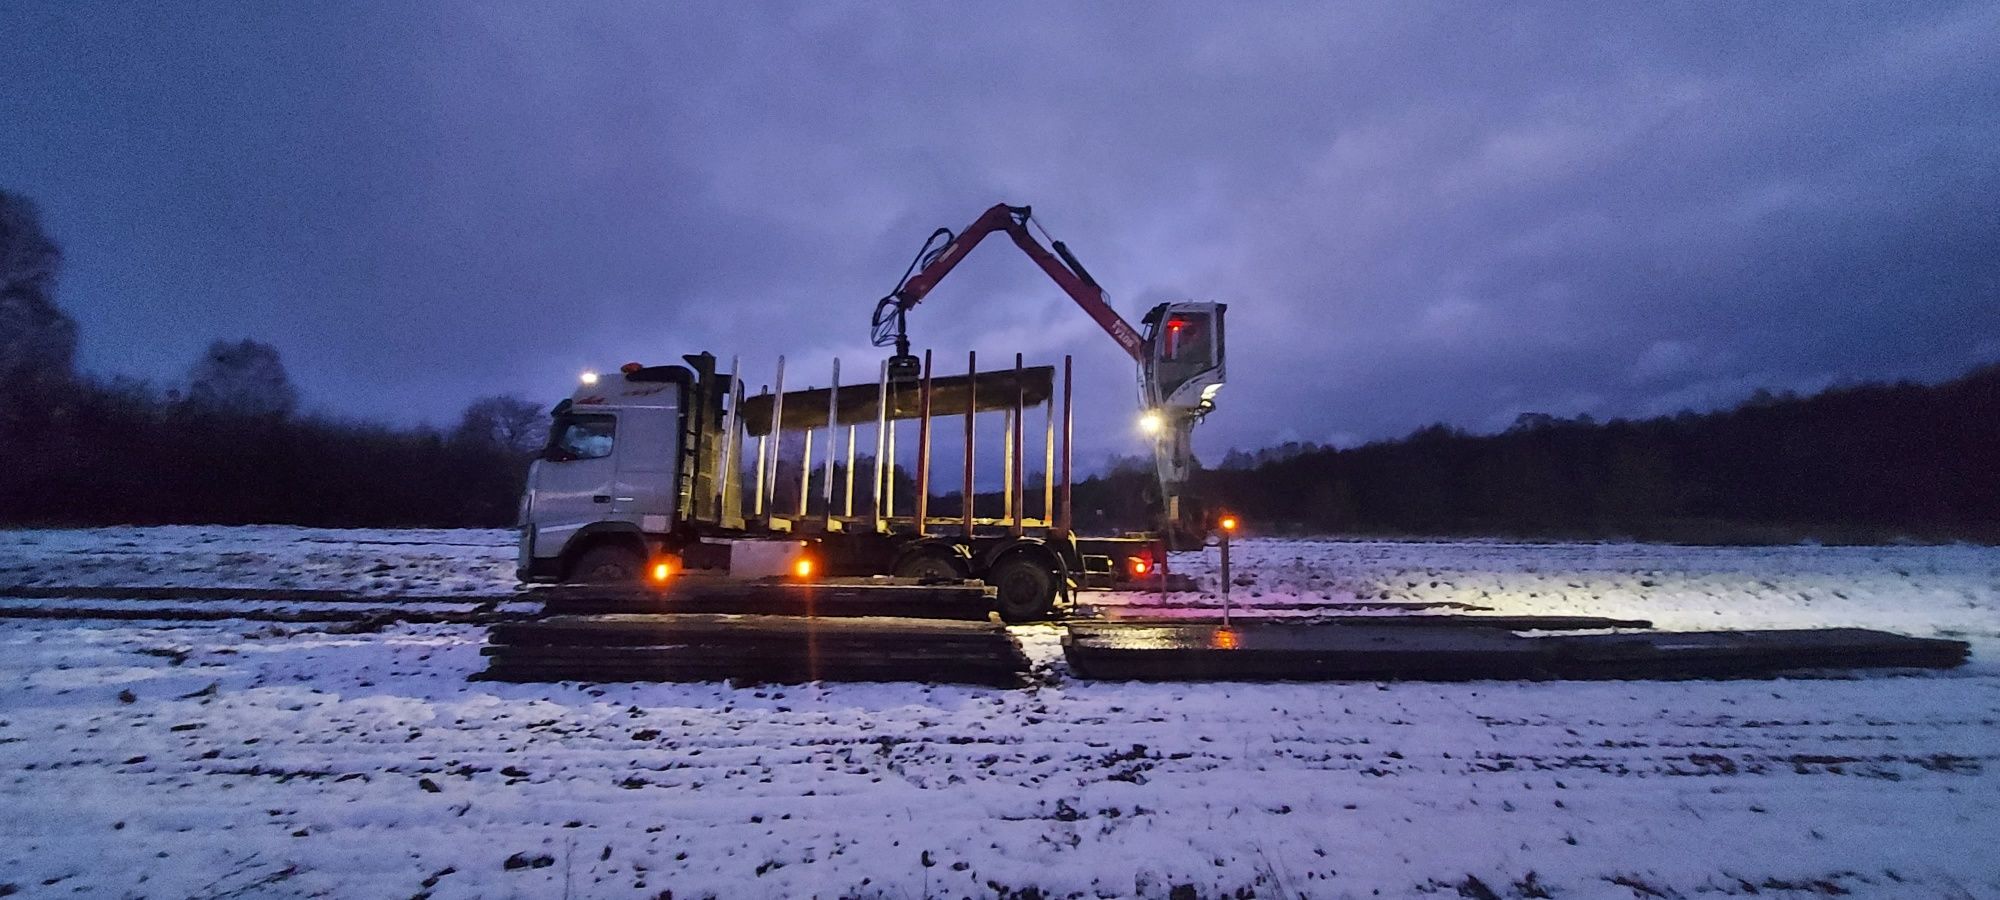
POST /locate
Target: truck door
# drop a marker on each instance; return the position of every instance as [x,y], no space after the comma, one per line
[648,467]
[576,478]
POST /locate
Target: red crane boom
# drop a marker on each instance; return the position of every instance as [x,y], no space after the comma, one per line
[931,267]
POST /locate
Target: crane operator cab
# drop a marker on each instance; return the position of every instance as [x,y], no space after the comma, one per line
[1184,366]
[1183,370]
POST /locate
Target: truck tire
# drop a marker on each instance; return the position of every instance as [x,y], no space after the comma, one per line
[607,564]
[1027,588]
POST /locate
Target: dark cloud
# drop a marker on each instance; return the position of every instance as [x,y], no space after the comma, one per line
[1416,212]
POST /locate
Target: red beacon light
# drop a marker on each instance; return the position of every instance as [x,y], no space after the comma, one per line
[630,368]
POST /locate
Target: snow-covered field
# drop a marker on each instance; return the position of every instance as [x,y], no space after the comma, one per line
[243,758]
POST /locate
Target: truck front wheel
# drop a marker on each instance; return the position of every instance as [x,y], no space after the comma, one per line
[1027,588]
[607,564]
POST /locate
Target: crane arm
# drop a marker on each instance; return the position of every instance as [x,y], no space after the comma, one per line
[1176,388]
[1067,273]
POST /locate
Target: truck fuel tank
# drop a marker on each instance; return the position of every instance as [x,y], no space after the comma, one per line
[769,559]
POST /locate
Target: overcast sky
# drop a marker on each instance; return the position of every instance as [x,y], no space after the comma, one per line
[1416,212]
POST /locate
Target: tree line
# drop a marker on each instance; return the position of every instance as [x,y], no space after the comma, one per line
[1862,463]
[224,445]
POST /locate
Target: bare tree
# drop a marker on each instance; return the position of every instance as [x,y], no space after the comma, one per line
[241,378]
[37,340]
[506,422]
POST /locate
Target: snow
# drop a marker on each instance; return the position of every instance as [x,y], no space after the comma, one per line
[255,759]
[1929,591]
[426,561]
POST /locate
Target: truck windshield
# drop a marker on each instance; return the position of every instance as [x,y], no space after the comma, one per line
[581,437]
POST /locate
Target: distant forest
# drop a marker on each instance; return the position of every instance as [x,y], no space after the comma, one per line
[1860,464]
[89,454]
[226,445]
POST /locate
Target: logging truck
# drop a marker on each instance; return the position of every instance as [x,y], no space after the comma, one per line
[646,470]
[657,472]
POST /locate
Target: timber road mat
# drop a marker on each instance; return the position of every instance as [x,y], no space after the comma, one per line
[1355,651]
[307,595]
[1439,620]
[752,649]
[899,630]
[843,597]
[280,605]
[905,598]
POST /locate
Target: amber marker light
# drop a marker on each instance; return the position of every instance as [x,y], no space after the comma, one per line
[803,568]
[1228,523]
[662,571]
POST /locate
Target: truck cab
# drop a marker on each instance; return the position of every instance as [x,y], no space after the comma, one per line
[605,478]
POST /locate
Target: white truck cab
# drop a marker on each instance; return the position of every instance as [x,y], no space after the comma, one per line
[609,468]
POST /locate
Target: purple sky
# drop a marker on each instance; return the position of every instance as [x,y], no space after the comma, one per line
[1416,213]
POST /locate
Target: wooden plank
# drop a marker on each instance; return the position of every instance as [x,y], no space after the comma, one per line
[766,676]
[1138,610]
[303,595]
[769,669]
[1725,653]
[1308,653]
[781,605]
[692,588]
[711,647]
[683,626]
[1277,651]
[757,663]
[786,668]
[297,616]
[703,585]
[775,650]
[861,403]
[531,635]
[966,600]
[1504,623]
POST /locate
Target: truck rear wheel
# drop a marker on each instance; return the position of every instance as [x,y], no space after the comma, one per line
[1027,588]
[607,564]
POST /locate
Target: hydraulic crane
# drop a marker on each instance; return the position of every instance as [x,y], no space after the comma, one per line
[1180,356]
